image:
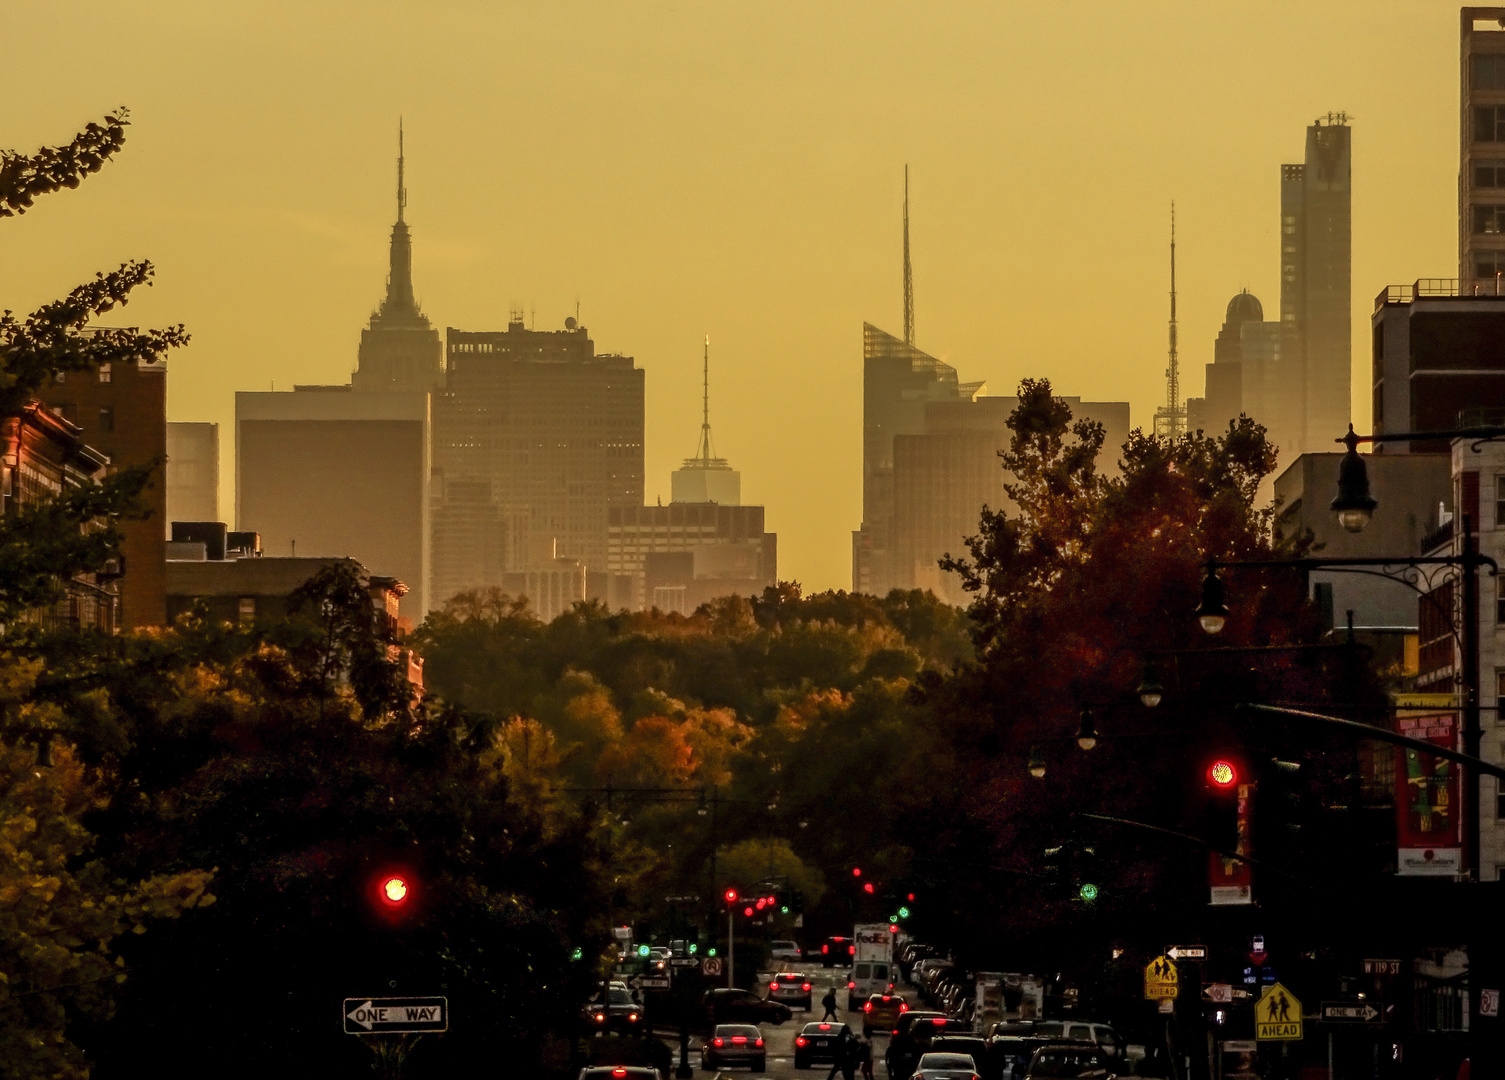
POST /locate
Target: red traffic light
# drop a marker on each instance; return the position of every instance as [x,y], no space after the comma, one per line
[761,904]
[867,886]
[731,896]
[1222,774]
[856,871]
[393,890]
[748,912]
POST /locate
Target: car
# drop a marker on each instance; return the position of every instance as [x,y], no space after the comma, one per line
[974,1046]
[837,951]
[619,1013]
[731,1006]
[934,1026]
[935,1066]
[734,1044]
[792,987]
[1102,1035]
[785,950]
[881,1012]
[619,1072]
[819,1042]
[1077,1060]
[914,1017]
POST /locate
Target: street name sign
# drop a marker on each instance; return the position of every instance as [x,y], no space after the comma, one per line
[1161,981]
[684,961]
[1277,1017]
[1381,967]
[386,1015]
[1349,1012]
[649,982]
[1187,952]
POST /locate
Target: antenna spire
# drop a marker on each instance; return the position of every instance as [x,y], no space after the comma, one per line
[1170,419]
[402,192]
[705,404]
[908,272]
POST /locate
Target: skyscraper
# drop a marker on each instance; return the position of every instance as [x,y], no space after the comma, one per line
[1315,281]
[1481,152]
[400,350]
[705,477]
[554,432]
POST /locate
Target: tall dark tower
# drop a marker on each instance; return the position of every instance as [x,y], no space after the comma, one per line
[908,273]
[399,350]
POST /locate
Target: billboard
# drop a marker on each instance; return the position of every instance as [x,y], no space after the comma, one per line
[1429,821]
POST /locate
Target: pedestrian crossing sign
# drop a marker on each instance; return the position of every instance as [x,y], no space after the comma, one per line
[1278,1015]
[1161,980]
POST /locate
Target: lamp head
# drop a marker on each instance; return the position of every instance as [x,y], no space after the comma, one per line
[1213,613]
[1086,736]
[1036,763]
[1149,690]
[1353,504]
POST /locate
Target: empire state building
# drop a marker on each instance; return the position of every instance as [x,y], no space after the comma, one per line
[400,350]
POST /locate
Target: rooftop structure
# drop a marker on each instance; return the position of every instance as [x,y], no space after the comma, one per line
[705,477]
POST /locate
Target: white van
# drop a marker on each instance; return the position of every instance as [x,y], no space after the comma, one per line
[869,977]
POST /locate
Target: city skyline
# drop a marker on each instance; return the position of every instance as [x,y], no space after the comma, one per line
[778,243]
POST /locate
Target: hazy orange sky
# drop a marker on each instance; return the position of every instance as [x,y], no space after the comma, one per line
[730,168]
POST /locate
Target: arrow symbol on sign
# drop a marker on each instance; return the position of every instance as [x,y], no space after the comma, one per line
[359,1014]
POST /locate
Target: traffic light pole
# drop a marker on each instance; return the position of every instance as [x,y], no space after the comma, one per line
[731,943]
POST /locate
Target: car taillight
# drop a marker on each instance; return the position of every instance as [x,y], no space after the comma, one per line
[886,999]
[806,986]
[772,987]
[938,1021]
[825,948]
[851,986]
[720,1041]
[619,1071]
[903,1007]
[867,1006]
[632,1018]
[760,1043]
[799,1040]
[825,1027]
[851,950]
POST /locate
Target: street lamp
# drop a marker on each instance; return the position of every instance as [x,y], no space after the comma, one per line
[1149,690]
[1086,736]
[1353,504]
[1212,613]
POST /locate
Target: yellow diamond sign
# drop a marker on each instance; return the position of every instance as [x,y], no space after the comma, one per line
[1278,1015]
[1161,982]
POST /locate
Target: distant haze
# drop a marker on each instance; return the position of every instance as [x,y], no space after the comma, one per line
[731,168]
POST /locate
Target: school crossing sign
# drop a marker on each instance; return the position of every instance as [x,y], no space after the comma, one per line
[1278,1015]
[1161,980]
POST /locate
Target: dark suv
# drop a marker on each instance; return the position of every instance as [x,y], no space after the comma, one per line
[744,1007]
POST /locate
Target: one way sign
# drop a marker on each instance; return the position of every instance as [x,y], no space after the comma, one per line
[378,1016]
[1352,1012]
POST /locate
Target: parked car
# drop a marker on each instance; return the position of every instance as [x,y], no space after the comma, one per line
[731,1006]
[734,1044]
[1101,1035]
[1076,1060]
[785,950]
[819,1042]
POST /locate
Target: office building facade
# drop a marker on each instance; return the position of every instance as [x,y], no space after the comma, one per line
[538,430]
[329,472]
[1481,152]
[192,472]
[680,556]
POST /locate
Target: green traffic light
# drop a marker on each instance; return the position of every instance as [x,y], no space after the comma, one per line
[893,918]
[577,954]
[785,909]
[1088,892]
[694,947]
[903,913]
[642,950]
[710,952]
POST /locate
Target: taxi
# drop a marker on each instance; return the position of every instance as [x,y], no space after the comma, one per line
[881,1012]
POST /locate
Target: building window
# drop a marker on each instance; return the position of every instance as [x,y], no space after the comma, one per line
[107,418]
[104,372]
[1487,71]
[1499,799]
[1489,219]
[247,610]
[1500,599]
[1489,123]
[1489,263]
[1489,173]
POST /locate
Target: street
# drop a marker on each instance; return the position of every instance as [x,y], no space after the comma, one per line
[780,1038]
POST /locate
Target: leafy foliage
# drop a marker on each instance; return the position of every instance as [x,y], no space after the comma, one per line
[24,177]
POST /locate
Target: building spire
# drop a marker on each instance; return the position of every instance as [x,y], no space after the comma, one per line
[1170,418]
[703,452]
[400,303]
[908,273]
[402,192]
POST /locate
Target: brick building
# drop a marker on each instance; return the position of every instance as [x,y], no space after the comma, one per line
[121,411]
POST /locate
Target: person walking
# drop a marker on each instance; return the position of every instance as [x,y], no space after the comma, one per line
[842,1061]
[850,1059]
[865,1057]
[829,1003]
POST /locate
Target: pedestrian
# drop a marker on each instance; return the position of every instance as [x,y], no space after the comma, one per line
[850,1059]
[829,1003]
[842,1056]
[865,1057]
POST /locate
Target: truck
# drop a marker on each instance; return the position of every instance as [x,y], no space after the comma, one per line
[872,963]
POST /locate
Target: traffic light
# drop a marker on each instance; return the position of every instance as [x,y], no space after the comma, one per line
[1221,817]
[730,896]
[797,902]
[391,893]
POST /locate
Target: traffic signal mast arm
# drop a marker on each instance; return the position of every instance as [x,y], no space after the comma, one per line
[1366,731]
